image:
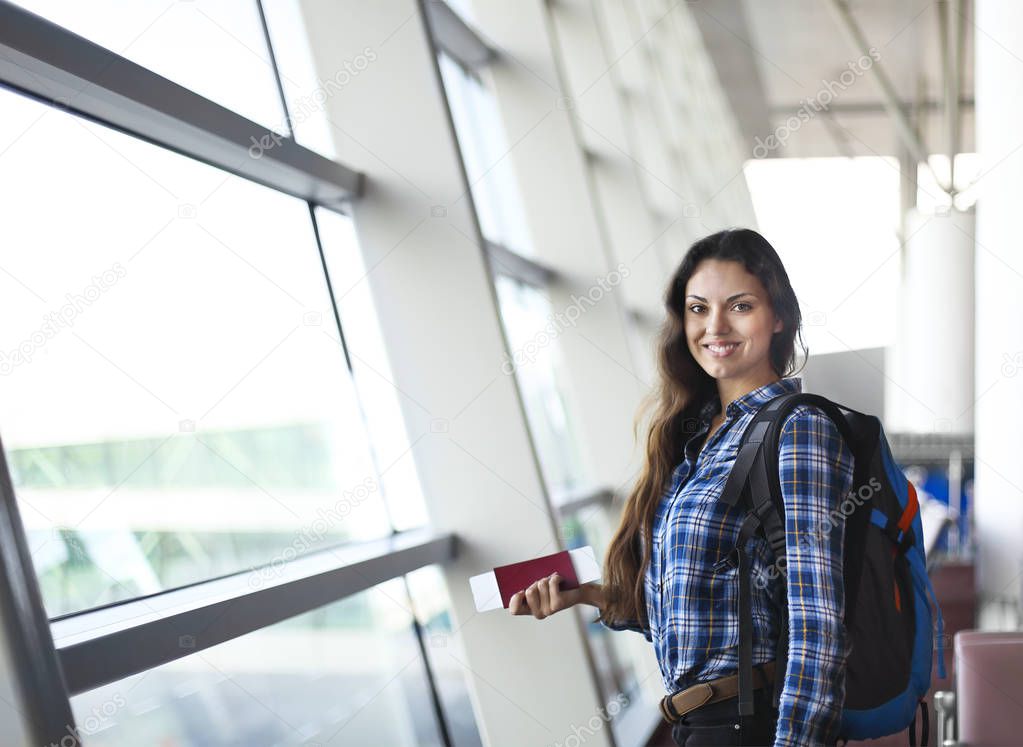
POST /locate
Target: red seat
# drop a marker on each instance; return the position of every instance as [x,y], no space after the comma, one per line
[989,687]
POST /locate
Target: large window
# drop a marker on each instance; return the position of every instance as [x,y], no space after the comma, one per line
[179,404]
[176,401]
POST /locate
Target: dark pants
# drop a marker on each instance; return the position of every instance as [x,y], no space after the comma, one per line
[719,723]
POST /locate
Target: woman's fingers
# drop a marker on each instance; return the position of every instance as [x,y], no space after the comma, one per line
[533,600]
[517,604]
[543,590]
[554,593]
[542,598]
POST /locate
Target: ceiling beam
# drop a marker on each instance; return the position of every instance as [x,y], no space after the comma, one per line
[868,107]
[890,98]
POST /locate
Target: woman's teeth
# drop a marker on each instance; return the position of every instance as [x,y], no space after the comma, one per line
[722,350]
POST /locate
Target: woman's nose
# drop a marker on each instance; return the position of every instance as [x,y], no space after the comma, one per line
[717,324]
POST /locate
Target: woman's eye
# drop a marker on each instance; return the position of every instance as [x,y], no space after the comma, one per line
[695,308]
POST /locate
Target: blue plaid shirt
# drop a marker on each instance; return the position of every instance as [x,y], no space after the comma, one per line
[692,610]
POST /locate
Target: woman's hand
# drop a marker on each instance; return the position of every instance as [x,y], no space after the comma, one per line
[543,598]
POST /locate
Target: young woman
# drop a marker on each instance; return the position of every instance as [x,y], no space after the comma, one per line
[725,350]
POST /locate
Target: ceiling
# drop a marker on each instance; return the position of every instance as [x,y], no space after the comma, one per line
[773,56]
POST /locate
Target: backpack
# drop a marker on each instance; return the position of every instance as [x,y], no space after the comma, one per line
[887,591]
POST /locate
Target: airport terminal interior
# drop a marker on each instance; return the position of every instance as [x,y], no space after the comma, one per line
[314,310]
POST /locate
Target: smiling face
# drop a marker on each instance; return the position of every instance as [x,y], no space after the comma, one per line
[729,324]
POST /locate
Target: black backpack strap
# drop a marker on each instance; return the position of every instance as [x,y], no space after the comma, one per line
[752,482]
[781,656]
[748,487]
[749,448]
[749,526]
[763,515]
[774,530]
[735,493]
[925,726]
[756,464]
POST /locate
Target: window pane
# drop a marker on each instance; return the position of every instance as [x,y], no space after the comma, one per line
[484,148]
[308,94]
[433,610]
[213,47]
[372,370]
[525,314]
[594,525]
[350,673]
[175,401]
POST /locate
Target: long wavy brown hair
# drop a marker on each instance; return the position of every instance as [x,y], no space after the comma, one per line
[682,390]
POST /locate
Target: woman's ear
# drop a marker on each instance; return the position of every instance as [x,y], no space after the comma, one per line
[779,326]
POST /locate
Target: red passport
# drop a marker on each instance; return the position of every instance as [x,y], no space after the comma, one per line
[517,577]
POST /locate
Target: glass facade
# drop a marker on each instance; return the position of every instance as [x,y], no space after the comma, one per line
[178,400]
[177,404]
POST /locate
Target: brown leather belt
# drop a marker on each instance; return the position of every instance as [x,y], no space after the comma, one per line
[674,707]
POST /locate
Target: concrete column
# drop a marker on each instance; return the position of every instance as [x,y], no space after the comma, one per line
[439,320]
[998,36]
[931,387]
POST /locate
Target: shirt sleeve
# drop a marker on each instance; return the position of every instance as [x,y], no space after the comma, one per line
[628,625]
[816,472]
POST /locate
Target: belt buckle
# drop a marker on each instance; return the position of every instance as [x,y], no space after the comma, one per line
[668,712]
[671,714]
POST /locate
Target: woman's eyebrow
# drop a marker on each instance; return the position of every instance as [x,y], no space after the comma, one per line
[727,300]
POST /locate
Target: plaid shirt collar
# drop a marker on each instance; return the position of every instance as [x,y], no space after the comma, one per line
[752,400]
